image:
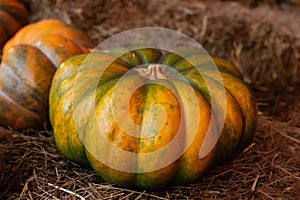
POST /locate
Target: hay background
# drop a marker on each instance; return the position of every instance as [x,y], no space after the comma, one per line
[261,38]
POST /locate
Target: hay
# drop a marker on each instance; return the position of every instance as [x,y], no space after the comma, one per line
[268,168]
[263,42]
[266,50]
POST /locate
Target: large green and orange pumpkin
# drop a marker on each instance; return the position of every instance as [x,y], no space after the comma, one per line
[28,64]
[142,117]
[13,15]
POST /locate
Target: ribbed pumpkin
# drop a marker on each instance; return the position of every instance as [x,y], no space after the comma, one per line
[102,105]
[13,15]
[29,61]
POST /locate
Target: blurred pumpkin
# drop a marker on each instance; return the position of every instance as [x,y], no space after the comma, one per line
[103,104]
[28,64]
[13,15]
[292,2]
[5,134]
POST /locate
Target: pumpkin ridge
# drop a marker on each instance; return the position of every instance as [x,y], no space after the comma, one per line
[74,109]
[26,80]
[126,58]
[13,23]
[89,92]
[10,72]
[230,80]
[202,71]
[15,14]
[5,25]
[248,113]
[16,103]
[227,67]
[53,58]
[164,59]
[71,147]
[16,121]
[236,133]
[159,140]
[143,54]
[233,130]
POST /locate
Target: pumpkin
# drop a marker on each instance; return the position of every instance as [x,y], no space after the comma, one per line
[13,15]
[142,117]
[29,61]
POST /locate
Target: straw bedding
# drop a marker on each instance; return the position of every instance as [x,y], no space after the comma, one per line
[261,38]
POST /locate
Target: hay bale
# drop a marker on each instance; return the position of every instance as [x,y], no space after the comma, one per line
[264,42]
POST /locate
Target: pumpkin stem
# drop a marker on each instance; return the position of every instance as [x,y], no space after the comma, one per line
[152,72]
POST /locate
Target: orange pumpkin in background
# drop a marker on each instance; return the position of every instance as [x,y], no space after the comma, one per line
[29,61]
[13,15]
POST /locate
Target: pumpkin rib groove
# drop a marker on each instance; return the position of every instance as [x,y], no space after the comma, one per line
[13,14]
[17,121]
[219,63]
[17,69]
[130,63]
[61,135]
[140,56]
[16,103]
[227,67]
[70,144]
[235,86]
[187,161]
[74,110]
[248,108]
[13,24]
[37,105]
[90,92]
[238,110]
[113,174]
[4,23]
[227,129]
[159,92]
[13,75]
[168,59]
[201,71]
[28,86]
[135,176]
[148,59]
[52,56]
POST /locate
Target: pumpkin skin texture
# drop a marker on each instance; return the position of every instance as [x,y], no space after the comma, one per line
[13,15]
[27,69]
[86,110]
[33,33]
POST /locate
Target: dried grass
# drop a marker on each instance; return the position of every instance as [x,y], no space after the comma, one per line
[267,169]
[263,41]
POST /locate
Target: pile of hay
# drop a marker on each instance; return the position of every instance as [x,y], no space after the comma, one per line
[260,37]
[263,42]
